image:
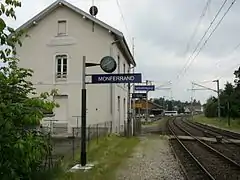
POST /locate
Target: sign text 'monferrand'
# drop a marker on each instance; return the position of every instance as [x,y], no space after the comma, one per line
[116,78]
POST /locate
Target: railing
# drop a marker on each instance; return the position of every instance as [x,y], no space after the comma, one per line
[65,145]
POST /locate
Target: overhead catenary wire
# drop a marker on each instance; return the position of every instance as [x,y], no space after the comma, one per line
[210,35]
[197,26]
[202,38]
[229,54]
[232,67]
[122,17]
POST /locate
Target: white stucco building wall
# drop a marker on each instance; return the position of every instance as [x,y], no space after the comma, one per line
[44,44]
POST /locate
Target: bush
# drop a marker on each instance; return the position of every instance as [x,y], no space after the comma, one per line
[22,151]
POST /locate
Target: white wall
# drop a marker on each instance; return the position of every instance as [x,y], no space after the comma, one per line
[39,51]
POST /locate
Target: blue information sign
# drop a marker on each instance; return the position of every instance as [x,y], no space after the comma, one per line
[144,88]
[116,78]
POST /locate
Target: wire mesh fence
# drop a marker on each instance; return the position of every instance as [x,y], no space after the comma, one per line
[65,146]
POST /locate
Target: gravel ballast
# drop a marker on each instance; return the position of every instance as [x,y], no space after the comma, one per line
[151,160]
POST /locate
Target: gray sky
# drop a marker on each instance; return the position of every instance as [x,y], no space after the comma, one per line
[162,29]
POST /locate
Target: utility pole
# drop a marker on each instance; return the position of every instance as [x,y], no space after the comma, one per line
[128,109]
[218,93]
[133,107]
[228,105]
[214,90]
[192,101]
[146,113]
[163,103]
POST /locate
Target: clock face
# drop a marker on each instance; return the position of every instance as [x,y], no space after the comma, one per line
[108,64]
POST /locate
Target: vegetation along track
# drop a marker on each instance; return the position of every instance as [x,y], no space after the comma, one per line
[205,162]
[231,149]
[218,131]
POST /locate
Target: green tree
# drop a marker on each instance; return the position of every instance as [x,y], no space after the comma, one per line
[169,105]
[181,110]
[230,95]
[22,149]
[211,107]
[237,77]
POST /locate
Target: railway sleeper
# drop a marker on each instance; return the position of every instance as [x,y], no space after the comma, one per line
[217,139]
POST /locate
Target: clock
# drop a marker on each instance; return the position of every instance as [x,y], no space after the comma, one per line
[108,64]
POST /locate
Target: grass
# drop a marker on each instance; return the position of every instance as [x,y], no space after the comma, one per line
[151,123]
[223,123]
[107,154]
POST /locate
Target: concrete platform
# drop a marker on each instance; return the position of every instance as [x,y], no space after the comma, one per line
[206,139]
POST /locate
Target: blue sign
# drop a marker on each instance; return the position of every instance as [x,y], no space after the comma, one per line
[144,88]
[116,78]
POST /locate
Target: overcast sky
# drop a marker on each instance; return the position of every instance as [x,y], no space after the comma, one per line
[162,29]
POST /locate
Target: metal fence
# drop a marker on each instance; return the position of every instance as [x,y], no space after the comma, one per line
[65,146]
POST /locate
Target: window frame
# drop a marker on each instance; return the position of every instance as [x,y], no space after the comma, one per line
[66,29]
[118,64]
[61,76]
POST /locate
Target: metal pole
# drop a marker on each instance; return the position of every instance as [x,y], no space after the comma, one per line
[146,113]
[134,113]
[129,114]
[192,101]
[228,104]
[77,124]
[218,92]
[84,108]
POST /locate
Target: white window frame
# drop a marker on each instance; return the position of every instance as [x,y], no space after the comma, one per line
[61,76]
[66,29]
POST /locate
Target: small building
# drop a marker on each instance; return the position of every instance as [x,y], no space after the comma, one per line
[141,105]
[58,38]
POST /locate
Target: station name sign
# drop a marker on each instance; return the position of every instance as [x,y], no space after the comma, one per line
[116,78]
[144,88]
[139,95]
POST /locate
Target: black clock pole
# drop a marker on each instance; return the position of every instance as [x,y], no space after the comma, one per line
[84,109]
[108,64]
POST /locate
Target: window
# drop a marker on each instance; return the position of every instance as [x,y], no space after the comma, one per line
[62,27]
[61,62]
[124,108]
[124,71]
[118,63]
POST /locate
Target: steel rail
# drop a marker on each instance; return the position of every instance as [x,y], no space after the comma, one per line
[187,150]
[209,147]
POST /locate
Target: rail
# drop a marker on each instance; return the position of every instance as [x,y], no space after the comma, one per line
[207,173]
[209,147]
[214,130]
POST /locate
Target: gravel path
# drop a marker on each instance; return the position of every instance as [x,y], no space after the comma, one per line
[151,160]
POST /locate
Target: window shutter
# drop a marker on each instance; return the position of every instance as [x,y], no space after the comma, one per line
[62,27]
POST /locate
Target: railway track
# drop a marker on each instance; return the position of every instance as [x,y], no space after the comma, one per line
[192,168]
[228,147]
[205,161]
[217,131]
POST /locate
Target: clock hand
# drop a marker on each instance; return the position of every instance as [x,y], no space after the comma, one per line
[107,63]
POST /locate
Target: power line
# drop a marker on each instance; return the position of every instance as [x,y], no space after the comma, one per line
[197,46]
[197,26]
[210,35]
[123,19]
[230,52]
[232,67]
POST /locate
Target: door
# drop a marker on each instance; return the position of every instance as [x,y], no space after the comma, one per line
[62,111]
[124,110]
